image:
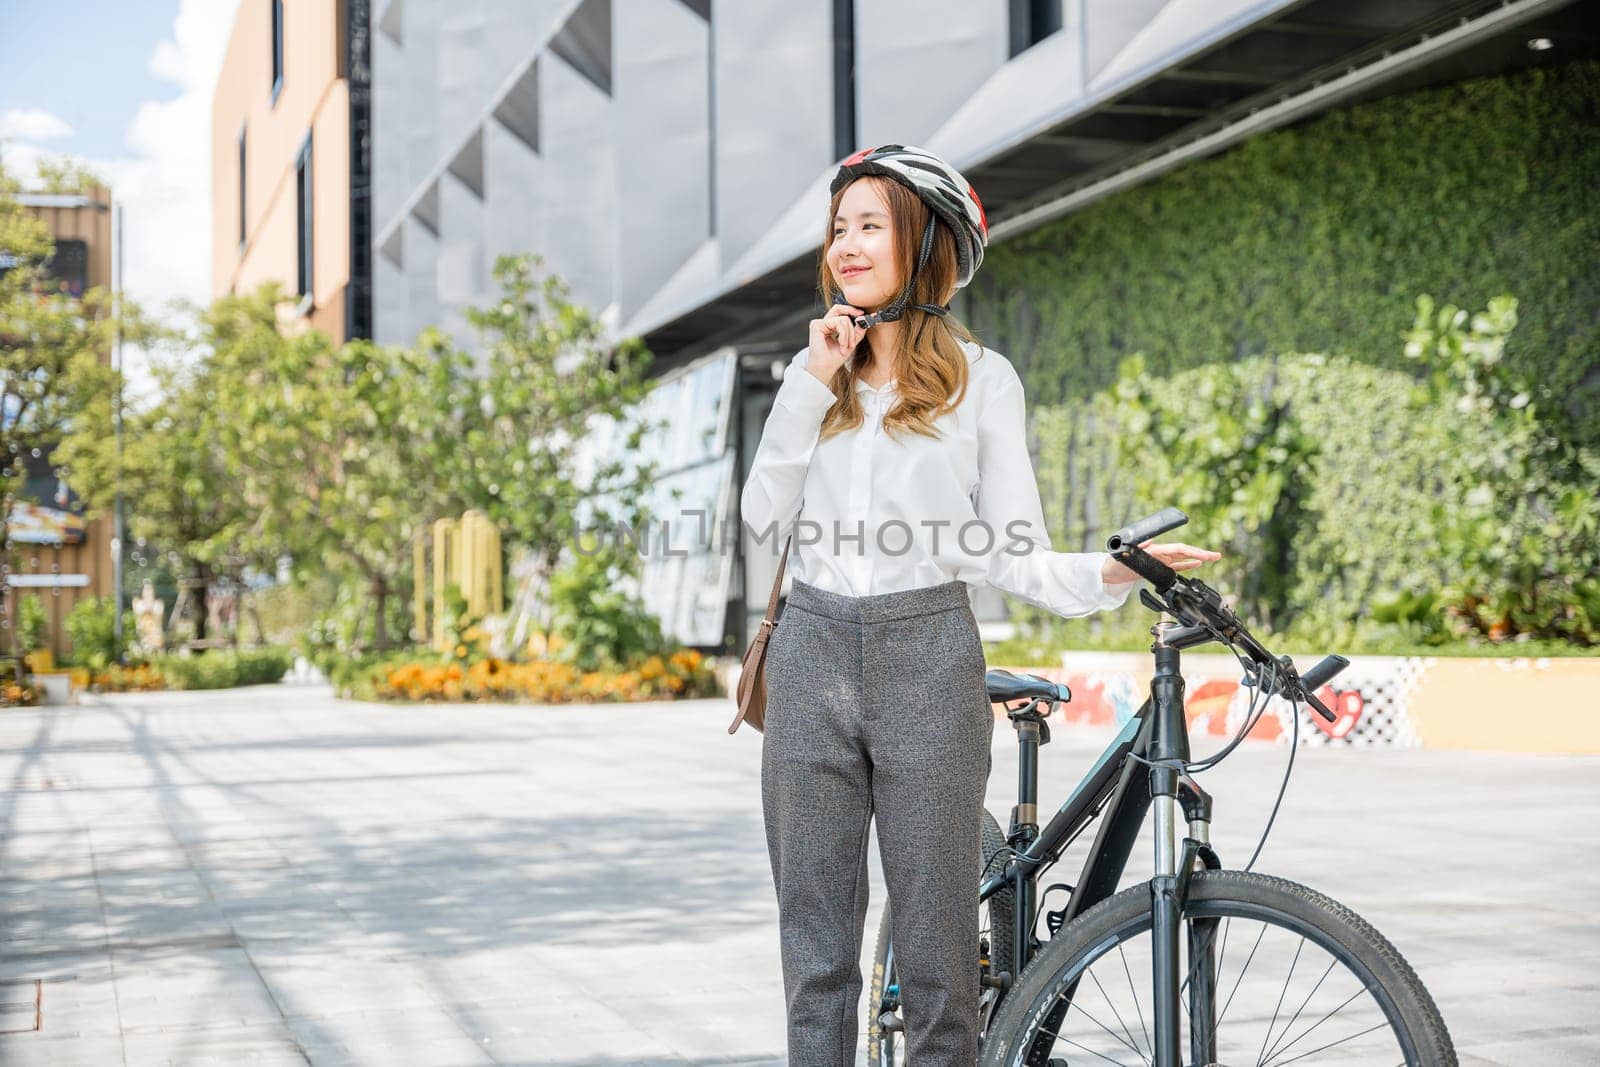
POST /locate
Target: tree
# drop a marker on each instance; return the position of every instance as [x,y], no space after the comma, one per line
[319,441]
[506,430]
[66,175]
[170,467]
[53,370]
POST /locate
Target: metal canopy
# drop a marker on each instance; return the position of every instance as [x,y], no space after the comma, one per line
[1267,64]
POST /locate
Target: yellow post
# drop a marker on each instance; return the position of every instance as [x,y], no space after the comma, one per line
[444,551]
[466,551]
[419,587]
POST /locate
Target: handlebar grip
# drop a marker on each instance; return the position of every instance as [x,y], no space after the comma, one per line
[1135,534]
[1323,672]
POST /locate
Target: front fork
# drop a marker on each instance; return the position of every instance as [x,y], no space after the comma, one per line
[1169,889]
[1171,789]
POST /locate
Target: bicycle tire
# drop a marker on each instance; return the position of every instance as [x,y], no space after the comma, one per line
[1014,1038]
[1002,909]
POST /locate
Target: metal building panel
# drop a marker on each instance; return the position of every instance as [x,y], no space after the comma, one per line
[1179,29]
[1024,96]
[773,104]
[513,31]
[389,128]
[390,294]
[461,279]
[462,89]
[422,281]
[514,203]
[919,60]
[663,142]
[578,238]
[418,75]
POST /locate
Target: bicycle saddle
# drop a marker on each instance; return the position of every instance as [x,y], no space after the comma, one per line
[1005,686]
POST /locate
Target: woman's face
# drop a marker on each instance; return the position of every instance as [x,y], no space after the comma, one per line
[861,256]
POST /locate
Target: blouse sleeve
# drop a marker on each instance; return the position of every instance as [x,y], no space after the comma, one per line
[1022,562]
[772,493]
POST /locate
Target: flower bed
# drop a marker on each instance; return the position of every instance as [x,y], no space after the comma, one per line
[685,673]
[24,695]
[222,669]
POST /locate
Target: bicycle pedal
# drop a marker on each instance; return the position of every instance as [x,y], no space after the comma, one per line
[890,1023]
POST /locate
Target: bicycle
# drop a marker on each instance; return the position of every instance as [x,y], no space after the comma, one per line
[1074,997]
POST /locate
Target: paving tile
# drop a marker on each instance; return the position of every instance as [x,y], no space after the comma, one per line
[273,876]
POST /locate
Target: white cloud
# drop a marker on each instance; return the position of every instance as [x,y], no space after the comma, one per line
[33,124]
[164,184]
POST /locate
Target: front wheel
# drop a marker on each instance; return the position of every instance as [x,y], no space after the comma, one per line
[1274,973]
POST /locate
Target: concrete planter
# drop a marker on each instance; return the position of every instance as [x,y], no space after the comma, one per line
[1495,704]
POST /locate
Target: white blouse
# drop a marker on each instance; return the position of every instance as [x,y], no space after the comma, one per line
[875,513]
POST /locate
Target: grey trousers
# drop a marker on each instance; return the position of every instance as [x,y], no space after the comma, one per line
[876,708]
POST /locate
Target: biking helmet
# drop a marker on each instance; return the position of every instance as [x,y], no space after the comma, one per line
[949,197]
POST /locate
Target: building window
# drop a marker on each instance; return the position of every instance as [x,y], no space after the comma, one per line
[1032,21]
[243,231]
[277,48]
[844,78]
[302,215]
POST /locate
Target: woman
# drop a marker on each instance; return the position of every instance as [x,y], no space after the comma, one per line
[901,466]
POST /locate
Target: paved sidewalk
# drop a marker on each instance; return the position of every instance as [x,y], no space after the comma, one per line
[272,876]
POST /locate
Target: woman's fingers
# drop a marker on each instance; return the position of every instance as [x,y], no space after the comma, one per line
[1173,551]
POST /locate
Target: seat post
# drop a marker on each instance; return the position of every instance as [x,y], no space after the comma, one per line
[1026,813]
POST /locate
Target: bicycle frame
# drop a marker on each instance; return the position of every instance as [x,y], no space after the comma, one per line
[1124,790]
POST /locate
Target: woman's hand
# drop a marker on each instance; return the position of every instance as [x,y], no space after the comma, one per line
[1179,557]
[833,339]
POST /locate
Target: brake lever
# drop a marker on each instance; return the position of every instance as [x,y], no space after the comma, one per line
[1292,683]
[1317,705]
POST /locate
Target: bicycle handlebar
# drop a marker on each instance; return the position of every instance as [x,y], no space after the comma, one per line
[1194,603]
[1139,532]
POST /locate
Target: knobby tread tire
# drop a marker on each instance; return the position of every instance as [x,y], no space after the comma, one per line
[1128,914]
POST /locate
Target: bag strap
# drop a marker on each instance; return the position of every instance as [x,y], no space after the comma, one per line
[758,645]
[777,583]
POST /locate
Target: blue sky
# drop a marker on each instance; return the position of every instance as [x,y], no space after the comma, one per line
[86,62]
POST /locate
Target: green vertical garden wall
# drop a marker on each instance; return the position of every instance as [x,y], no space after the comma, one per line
[1320,237]
[1352,496]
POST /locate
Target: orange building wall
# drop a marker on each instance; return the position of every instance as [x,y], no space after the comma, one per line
[314,98]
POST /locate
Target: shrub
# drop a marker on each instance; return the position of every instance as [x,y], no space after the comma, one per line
[592,607]
[91,625]
[1355,507]
[223,669]
[32,625]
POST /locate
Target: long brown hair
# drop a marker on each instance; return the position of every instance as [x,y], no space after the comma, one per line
[930,368]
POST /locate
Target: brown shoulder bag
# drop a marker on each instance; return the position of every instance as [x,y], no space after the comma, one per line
[752,688]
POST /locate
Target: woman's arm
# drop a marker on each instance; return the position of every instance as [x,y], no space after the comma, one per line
[1022,562]
[772,493]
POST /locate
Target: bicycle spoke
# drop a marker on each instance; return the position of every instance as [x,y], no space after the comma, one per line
[1114,1012]
[1273,1025]
[1341,1041]
[1085,1048]
[1313,1026]
[1142,1026]
[1073,1004]
[1221,953]
[1240,981]
[1295,1018]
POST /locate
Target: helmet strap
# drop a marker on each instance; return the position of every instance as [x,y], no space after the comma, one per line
[897,310]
